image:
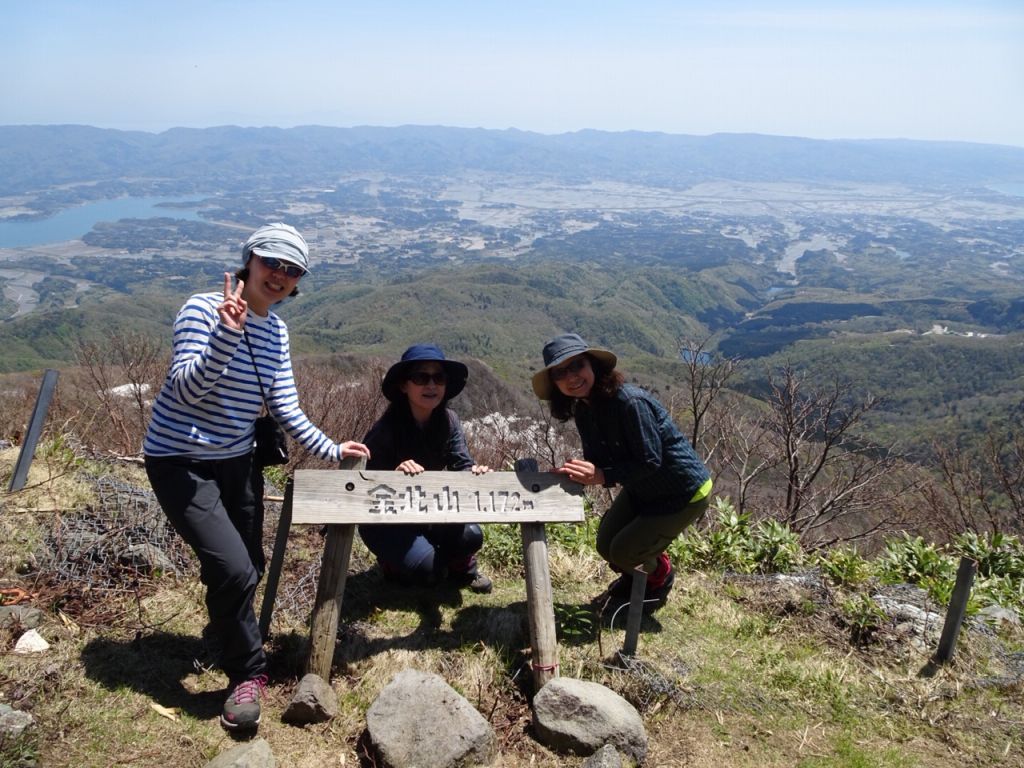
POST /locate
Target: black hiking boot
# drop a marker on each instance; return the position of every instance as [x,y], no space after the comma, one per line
[475,580]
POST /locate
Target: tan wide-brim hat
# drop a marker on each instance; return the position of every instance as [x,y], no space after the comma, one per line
[560,349]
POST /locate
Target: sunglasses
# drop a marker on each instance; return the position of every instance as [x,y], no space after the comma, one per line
[275,264]
[575,366]
[422,378]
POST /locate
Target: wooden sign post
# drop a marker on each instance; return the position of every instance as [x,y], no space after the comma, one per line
[346,498]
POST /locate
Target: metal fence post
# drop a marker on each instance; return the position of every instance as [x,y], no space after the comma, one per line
[954,616]
[35,429]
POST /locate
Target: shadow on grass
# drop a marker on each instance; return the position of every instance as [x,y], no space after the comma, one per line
[503,627]
[368,592]
[368,596]
[370,605]
[154,665]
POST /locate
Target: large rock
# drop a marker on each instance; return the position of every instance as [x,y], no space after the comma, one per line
[578,716]
[419,721]
[605,757]
[23,615]
[999,616]
[314,702]
[147,558]
[251,754]
[922,622]
[13,722]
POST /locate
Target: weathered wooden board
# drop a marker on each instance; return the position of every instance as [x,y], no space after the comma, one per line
[374,496]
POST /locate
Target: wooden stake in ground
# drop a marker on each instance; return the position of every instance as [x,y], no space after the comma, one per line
[323,628]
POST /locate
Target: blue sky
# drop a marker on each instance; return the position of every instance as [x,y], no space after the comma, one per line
[860,69]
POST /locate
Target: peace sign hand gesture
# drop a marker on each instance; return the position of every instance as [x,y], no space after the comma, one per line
[232,309]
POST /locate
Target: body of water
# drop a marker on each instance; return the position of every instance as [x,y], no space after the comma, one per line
[73,223]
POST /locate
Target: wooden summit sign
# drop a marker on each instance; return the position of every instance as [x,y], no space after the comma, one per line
[372,496]
[354,495]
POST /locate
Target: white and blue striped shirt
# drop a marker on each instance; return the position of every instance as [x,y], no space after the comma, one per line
[211,397]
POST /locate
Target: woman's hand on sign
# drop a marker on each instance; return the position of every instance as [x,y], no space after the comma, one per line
[232,309]
[480,469]
[352,449]
[410,467]
[582,472]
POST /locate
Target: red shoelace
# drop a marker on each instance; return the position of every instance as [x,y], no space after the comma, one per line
[250,690]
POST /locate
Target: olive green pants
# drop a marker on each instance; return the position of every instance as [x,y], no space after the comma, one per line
[626,539]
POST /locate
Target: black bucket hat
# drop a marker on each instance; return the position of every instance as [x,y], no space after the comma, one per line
[560,349]
[456,372]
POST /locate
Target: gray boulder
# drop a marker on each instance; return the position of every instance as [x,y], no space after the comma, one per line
[998,616]
[314,702]
[923,621]
[24,615]
[605,757]
[579,716]
[147,558]
[419,721]
[251,754]
[13,722]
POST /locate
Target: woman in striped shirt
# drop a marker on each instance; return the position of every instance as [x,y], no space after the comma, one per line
[229,350]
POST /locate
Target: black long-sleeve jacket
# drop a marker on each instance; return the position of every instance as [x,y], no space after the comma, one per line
[634,440]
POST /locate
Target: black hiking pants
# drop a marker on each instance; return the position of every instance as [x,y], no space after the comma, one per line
[217,508]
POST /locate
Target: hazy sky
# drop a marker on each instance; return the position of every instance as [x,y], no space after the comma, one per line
[858,69]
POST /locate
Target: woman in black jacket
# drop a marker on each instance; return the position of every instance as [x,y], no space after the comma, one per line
[418,432]
[629,440]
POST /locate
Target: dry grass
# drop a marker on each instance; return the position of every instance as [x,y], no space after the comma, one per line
[53,483]
[729,673]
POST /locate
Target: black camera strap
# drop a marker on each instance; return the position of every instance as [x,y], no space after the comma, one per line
[256,369]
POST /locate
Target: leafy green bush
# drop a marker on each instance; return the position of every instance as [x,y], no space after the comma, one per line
[864,616]
[574,622]
[911,559]
[503,546]
[277,476]
[726,544]
[776,548]
[1006,591]
[997,554]
[844,566]
[732,543]
[570,536]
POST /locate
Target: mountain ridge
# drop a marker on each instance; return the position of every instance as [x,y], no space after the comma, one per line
[33,157]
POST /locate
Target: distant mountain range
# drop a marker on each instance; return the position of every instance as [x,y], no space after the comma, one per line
[34,157]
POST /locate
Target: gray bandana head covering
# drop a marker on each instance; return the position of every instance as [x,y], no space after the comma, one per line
[277,241]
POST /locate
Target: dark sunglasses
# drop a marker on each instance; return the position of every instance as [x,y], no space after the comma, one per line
[275,264]
[422,378]
[557,374]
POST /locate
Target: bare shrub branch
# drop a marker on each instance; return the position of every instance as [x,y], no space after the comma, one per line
[824,480]
[979,490]
[706,375]
[343,404]
[114,393]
